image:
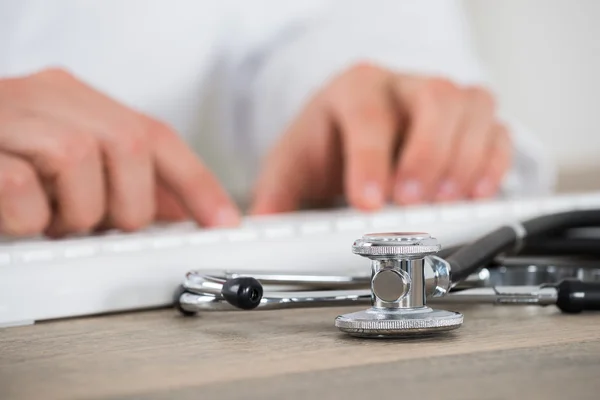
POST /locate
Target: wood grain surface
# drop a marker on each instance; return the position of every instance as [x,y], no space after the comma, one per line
[502,352]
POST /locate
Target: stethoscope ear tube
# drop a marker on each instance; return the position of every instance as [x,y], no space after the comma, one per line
[468,259]
[556,223]
[549,246]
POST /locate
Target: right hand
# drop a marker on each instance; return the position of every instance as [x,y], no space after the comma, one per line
[73,160]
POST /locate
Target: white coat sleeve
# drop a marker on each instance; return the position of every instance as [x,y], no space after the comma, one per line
[419,36]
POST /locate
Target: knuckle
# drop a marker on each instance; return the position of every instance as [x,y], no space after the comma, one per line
[25,89]
[439,88]
[70,151]
[482,95]
[437,93]
[364,69]
[19,91]
[356,74]
[55,74]
[129,140]
[160,130]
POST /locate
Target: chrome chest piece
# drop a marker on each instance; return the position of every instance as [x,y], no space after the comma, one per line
[404,272]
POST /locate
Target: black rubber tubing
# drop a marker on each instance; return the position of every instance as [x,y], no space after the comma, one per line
[561,247]
[555,223]
[468,259]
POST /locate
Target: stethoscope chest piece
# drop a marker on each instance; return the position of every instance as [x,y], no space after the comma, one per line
[398,288]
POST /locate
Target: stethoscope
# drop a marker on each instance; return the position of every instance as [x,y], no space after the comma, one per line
[409,272]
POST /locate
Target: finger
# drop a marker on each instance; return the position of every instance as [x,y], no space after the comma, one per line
[488,181]
[123,137]
[434,111]
[284,182]
[279,188]
[24,209]
[363,109]
[180,171]
[470,147]
[67,160]
[168,206]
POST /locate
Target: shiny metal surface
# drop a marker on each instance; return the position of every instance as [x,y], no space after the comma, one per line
[387,245]
[404,277]
[506,295]
[389,285]
[516,282]
[194,302]
[501,295]
[511,295]
[375,323]
[400,255]
[310,278]
[203,284]
[437,276]
[528,272]
[399,289]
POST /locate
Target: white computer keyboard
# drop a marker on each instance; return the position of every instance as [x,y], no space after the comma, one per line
[42,279]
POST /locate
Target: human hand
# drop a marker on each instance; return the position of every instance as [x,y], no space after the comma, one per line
[73,160]
[373,136]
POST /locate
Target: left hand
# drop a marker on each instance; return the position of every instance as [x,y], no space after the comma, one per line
[374,136]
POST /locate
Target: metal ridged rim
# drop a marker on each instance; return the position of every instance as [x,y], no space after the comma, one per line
[393,250]
[396,244]
[399,325]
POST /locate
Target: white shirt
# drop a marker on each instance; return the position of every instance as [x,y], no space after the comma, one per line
[230,75]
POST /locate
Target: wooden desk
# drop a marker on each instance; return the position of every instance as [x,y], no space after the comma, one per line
[500,352]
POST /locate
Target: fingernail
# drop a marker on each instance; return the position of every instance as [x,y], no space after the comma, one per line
[484,188]
[447,190]
[372,194]
[409,192]
[227,217]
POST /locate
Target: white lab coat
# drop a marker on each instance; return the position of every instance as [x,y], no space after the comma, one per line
[229,75]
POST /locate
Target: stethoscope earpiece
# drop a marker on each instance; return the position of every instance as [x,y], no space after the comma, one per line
[399,289]
[244,292]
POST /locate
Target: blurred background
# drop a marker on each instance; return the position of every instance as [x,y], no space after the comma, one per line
[544,56]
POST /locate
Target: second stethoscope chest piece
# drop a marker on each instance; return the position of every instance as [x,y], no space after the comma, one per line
[398,288]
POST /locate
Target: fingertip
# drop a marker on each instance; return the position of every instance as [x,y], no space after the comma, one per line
[227,216]
[485,188]
[408,192]
[369,196]
[447,191]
